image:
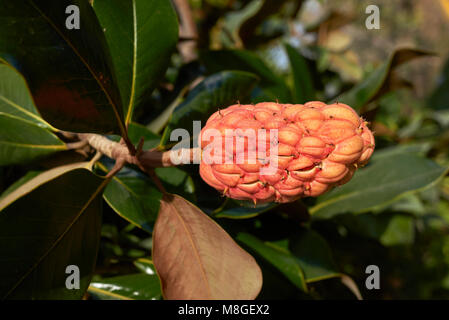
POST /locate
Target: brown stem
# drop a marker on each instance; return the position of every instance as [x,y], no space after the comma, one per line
[146,160]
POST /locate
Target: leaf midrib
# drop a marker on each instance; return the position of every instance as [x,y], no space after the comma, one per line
[134,67]
[28,113]
[34,146]
[195,249]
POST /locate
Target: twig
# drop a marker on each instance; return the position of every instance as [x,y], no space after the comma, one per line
[144,159]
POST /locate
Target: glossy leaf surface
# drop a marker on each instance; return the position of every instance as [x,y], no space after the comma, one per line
[23,141]
[279,257]
[137,286]
[69,71]
[302,79]
[134,197]
[141,35]
[379,184]
[15,98]
[216,91]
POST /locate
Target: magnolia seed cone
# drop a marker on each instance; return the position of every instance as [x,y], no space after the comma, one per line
[319,146]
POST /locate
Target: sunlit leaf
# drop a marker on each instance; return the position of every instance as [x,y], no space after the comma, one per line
[145,265]
[128,287]
[378,185]
[23,141]
[417,149]
[15,99]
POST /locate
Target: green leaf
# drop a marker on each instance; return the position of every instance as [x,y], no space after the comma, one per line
[388,228]
[137,131]
[380,80]
[69,71]
[23,141]
[418,149]
[314,256]
[141,35]
[15,99]
[27,177]
[216,91]
[279,257]
[303,82]
[134,197]
[174,179]
[306,256]
[130,287]
[382,182]
[24,136]
[400,231]
[248,61]
[177,181]
[49,223]
[241,210]
[145,265]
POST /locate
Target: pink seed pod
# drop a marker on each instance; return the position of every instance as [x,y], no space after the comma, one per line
[281,152]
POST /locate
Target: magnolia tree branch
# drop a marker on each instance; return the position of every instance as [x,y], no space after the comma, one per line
[147,160]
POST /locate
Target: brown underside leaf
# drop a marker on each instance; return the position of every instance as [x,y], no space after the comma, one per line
[196,259]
